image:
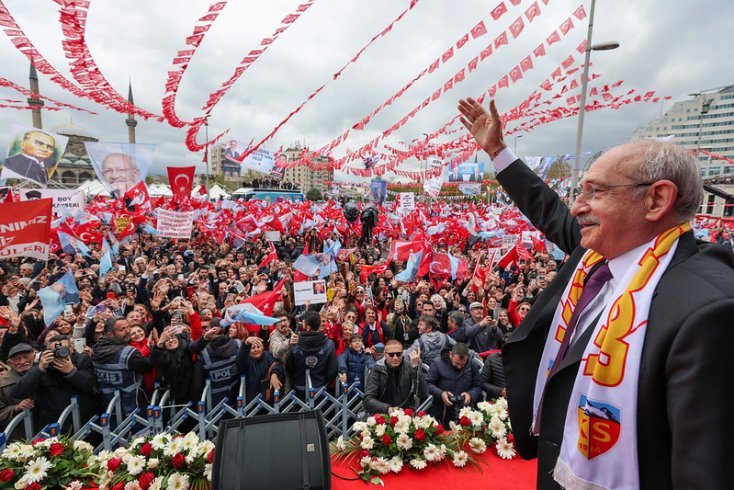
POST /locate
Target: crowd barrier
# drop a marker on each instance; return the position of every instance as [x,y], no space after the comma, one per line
[114,429]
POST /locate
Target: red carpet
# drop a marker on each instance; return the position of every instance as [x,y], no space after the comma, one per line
[493,473]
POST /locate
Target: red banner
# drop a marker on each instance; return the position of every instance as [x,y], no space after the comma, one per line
[181,180]
[25,229]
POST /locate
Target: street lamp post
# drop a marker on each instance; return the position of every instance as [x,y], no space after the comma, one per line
[516,138]
[582,104]
[705,106]
[206,135]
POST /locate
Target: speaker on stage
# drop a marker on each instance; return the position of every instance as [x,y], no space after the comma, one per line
[279,451]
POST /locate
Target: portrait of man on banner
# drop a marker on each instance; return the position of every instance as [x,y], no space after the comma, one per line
[119,166]
[33,155]
[379,188]
[281,160]
[232,151]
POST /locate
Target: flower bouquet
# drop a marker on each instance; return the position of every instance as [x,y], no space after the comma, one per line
[177,462]
[46,464]
[385,443]
[488,425]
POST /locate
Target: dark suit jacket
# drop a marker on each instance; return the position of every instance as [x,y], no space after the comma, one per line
[684,428]
[28,168]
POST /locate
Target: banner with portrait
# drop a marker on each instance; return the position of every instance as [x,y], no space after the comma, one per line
[473,189]
[33,154]
[311,292]
[66,202]
[379,190]
[467,172]
[260,160]
[119,166]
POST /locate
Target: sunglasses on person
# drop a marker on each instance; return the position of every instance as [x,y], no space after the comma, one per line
[524,308]
[393,354]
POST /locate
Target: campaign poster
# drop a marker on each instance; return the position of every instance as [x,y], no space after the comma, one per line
[379,190]
[472,189]
[312,292]
[407,202]
[25,229]
[33,155]
[232,151]
[261,160]
[272,236]
[467,172]
[119,166]
[433,186]
[175,224]
[66,202]
[281,161]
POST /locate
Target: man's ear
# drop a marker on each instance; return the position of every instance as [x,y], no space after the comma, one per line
[660,200]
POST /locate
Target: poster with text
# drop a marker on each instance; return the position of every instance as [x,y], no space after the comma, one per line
[379,190]
[33,154]
[312,292]
[467,172]
[66,202]
[407,202]
[175,224]
[119,166]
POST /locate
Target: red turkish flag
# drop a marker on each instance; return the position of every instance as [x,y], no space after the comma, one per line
[265,302]
[553,38]
[478,30]
[503,83]
[459,77]
[580,13]
[447,55]
[137,195]
[492,91]
[401,249]
[365,270]
[499,11]
[461,42]
[517,27]
[526,64]
[515,74]
[500,40]
[567,62]
[532,12]
[566,26]
[539,51]
[272,255]
[448,85]
[181,180]
[25,229]
[546,85]
[486,52]
[473,64]
[433,66]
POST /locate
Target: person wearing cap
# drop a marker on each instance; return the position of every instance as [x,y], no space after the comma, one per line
[20,360]
[481,331]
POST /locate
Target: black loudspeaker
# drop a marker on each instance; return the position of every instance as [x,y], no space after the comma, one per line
[279,451]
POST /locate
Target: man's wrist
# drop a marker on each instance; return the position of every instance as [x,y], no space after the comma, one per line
[494,152]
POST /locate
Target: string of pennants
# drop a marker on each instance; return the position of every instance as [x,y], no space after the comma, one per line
[540,107]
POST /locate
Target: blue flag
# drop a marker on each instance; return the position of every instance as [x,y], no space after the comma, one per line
[411,267]
[56,296]
[105,262]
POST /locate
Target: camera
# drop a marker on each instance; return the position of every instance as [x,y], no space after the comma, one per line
[456,400]
[62,352]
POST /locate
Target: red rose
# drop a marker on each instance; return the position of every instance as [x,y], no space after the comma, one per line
[33,486]
[146,479]
[510,437]
[119,486]
[210,457]
[56,449]
[393,421]
[113,464]
[7,474]
[439,429]
[386,439]
[408,412]
[178,460]
[421,413]
[465,421]
[146,449]
[379,419]
[363,453]
[36,441]
[420,435]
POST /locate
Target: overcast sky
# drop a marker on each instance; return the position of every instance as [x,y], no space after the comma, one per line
[672,47]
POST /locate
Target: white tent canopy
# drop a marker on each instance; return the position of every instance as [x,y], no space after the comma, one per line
[157,190]
[94,188]
[215,192]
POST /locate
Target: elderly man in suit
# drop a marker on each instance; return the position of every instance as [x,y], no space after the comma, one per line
[35,158]
[617,377]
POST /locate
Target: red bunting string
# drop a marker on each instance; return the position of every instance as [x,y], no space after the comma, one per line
[336,75]
[717,157]
[12,105]
[4,82]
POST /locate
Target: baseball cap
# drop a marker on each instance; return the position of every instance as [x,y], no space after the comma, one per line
[379,347]
[476,304]
[19,349]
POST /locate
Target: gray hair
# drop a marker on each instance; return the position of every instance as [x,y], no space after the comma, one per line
[457,317]
[109,325]
[667,161]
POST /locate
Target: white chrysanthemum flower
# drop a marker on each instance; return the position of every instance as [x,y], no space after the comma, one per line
[360,427]
[120,452]
[205,448]
[190,441]
[396,464]
[505,449]
[483,406]
[427,422]
[497,427]
[157,483]
[137,442]
[404,442]
[380,430]
[36,470]
[494,411]
[190,458]
[502,413]
[367,443]
[74,485]
[159,441]
[460,459]
[371,421]
[13,452]
[135,465]
[133,485]
[26,452]
[178,481]
[477,445]
[465,412]
[173,447]
[366,433]
[402,426]
[365,461]
[476,419]
[153,463]
[432,453]
[208,472]
[443,450]
[83,446]
[340,444]
[502,403]
[418,463]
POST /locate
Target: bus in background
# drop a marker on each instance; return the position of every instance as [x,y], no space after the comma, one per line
[269,195]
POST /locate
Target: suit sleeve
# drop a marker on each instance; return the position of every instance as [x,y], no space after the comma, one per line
[541,204]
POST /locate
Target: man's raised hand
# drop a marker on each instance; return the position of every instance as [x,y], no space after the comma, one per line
[485,126]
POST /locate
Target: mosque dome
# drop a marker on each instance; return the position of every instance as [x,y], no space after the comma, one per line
[71,129]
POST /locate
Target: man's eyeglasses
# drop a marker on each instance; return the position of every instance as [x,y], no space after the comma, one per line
[393,354]
[589,192]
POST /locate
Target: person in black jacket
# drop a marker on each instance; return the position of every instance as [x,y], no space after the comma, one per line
[493,373]
[255,362]
[59,374]
[393,383]
[312,351]
[453,380]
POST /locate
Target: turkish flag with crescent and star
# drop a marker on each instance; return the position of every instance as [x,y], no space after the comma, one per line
[137,195]
[181,180]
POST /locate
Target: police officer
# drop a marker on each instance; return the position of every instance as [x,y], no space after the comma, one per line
[120,366]
[311,350]
[218,362]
